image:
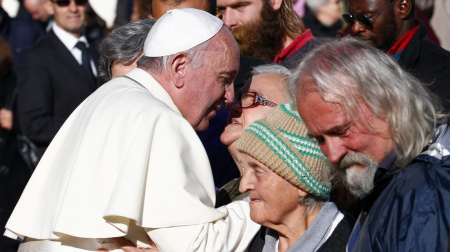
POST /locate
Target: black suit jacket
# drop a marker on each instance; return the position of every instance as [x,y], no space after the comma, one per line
[51,85]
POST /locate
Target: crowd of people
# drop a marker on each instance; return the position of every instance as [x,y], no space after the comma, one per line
[228,125]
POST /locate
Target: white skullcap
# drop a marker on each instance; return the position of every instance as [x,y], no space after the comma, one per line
[179,30]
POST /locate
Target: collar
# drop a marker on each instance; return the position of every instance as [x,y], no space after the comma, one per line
[315,235]
[294,46]
[143,78]
[68,39]
[397,49]
[388,162]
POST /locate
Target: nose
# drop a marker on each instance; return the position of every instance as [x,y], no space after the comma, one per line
[73,6]
[357,27]
[229,18]
[229,93]
[246,183]
[334,149]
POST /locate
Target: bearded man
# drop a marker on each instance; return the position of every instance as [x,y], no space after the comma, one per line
[267,29]
[383,131]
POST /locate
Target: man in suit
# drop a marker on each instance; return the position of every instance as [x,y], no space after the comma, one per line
[55,75]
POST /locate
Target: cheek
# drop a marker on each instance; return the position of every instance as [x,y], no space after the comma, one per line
[250,115]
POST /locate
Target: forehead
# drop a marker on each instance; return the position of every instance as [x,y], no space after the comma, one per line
[269,84]
[365,6]
[237,3]
[225,55]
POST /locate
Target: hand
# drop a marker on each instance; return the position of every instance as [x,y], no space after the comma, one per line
[6,119]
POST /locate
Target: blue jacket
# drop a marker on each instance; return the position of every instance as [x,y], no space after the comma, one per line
[412,213]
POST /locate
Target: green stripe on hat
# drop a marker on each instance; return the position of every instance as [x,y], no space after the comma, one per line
[285,152]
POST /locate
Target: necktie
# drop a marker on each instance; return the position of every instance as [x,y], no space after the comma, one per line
[85,62]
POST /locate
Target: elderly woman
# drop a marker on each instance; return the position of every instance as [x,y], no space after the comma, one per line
[122,48]
[287,180]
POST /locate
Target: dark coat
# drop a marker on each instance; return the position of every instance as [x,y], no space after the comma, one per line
[20,33]
[430,63]
[412,211]
[51,85]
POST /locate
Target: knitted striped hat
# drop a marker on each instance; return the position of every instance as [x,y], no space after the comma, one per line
[279,142]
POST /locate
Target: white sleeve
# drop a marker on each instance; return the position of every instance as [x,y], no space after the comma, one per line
[232,233]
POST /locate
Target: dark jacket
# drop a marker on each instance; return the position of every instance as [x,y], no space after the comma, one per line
[412,213]
[430,63]
[20,33]
[51,85]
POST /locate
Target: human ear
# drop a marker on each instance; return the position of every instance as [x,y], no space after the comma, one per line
[178,69]
[275,4]
[302,193]
[404,9]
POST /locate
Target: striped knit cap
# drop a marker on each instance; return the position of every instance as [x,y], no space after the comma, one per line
[279,142]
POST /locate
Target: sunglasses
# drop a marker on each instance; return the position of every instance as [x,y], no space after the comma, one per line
[65,3]
[363,19]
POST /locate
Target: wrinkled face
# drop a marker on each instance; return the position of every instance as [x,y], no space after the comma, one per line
[160,8]
[384,33]
[339,135]
[270,86]
[235,13]
[273,200]
[211,84]
[70,18]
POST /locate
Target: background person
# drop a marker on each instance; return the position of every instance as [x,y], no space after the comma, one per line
[122,48]
[56,75]
[390,26]
[324,18]
[269,30]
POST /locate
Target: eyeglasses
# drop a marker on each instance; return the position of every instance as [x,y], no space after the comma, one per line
[65,3]
[363,19]
[253,99]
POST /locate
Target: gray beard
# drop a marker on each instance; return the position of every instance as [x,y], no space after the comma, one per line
[358,181]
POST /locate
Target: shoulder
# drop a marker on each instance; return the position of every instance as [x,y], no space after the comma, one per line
[339,238]
[412,210]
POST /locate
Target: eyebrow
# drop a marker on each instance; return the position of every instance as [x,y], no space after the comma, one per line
[332,131]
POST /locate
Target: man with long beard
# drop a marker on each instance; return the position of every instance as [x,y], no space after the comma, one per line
[267,29]
[390,26]
[385,135]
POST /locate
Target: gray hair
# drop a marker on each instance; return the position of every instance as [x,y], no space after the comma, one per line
[311,202]
[123,44]
[157,65]
[313,5]
[349,71]
[272,69]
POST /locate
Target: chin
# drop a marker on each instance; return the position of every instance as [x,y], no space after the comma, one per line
[202,127]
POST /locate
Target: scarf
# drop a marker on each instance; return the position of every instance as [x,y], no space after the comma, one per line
[315,235]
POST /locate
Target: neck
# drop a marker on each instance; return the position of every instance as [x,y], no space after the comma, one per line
[292,229]
[286,41]
[406,27]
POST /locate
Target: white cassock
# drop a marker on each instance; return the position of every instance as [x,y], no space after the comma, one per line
[126,163]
